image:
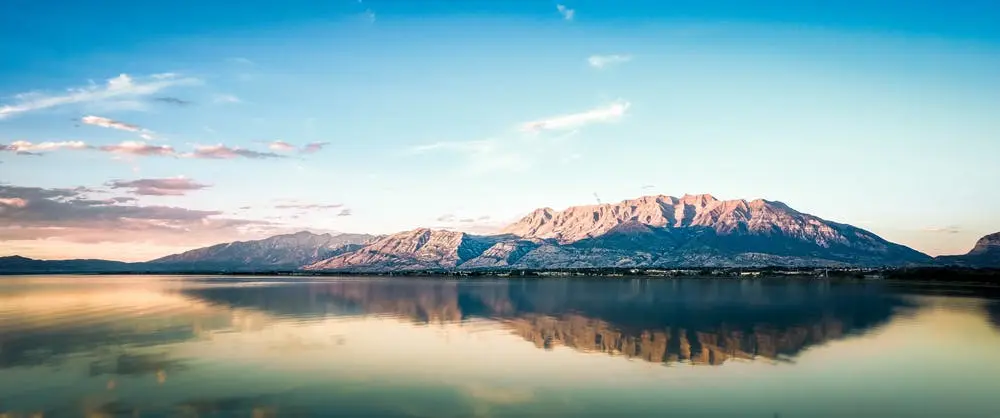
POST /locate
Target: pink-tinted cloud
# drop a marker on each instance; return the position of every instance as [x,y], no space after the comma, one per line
[222,152]
[139,148]
[142,149]
[29,148]
[119,125]
[14,202]
[70,215]
[159,187]
[314,147]
[281,146]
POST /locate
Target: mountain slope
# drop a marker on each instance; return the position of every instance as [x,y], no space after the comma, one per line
[695,230]
[289,251]
[418,249]
[986,253]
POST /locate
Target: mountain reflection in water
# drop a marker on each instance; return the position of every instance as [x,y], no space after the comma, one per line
[164,346]
[696,321]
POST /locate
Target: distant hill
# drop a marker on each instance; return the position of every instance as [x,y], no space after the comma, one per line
[17,264]
[279,252]
[986,253]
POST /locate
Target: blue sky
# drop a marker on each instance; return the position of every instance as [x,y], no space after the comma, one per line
[431,113]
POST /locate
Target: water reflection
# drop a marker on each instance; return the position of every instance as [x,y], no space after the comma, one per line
[169,346]
[993,313]
[46,327]
[701,322]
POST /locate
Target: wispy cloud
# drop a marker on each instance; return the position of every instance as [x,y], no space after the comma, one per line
[114,124]
[313,147]
[109,123]
[240,61]
[222,152]
[28,148]
[226,99]
[172,100]
[308,206]
[482,156]
[510,153]
[566,12]
[141,149]
[480,146]
[345,212]
[951,229]
[177,186]
[604,61]
[121,88]
[604,114]
[282,146]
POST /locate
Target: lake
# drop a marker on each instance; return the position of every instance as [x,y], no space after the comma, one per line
[150,346]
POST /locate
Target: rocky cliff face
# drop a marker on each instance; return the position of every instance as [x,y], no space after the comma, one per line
[989,244]
[694,230]
[986,253]
[648,214]
[281,251]
[419,249]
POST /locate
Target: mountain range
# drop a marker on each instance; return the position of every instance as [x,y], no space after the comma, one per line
[650,231]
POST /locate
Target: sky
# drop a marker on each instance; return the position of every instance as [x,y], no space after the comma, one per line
[131,131]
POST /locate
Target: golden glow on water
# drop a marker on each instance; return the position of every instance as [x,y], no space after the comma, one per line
[404,348]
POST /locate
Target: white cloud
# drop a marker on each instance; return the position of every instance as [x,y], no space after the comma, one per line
[226,98]
[605,114]
[603,61]
[566,12]
[121,88]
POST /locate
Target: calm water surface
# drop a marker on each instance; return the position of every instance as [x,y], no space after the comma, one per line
[259,347]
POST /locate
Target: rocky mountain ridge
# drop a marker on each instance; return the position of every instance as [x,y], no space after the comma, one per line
[694,230]
[986,253]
